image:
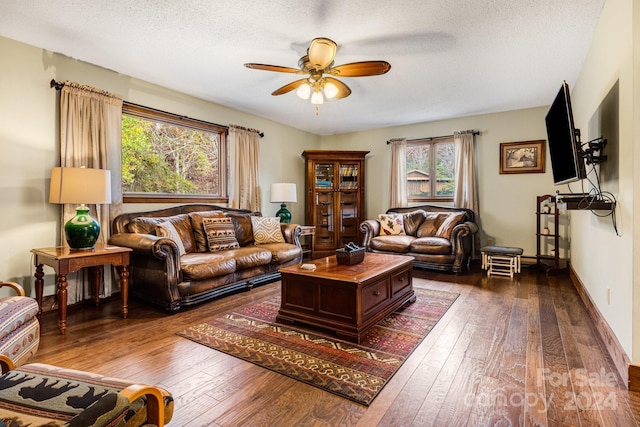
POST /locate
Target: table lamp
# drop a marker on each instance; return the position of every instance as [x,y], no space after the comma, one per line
[283,192]
[80,186]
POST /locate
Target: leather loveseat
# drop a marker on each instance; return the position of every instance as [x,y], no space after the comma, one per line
[438,237]
[214,253]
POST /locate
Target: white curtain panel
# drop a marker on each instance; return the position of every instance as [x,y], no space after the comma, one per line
[398,189]
[90,136]
[244,170]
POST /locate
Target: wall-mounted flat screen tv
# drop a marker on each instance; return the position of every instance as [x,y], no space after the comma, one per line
[567,163]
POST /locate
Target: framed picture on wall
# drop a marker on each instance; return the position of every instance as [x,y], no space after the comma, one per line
[522,157]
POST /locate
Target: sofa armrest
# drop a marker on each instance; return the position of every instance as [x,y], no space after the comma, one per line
[161,248]
[370,228]
[291,233]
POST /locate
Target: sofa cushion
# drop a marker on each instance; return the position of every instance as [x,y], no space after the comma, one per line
[221,234]
[396,243]
[182,223]
[266,230]
[431,246]
[391,224]
[244,230]
[282,252]
[412,221]
[431,223]
[166,229]
[202,266]
[447,225]
[250,256]
[197,225]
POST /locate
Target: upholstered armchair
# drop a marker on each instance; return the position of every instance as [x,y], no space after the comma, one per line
[19,325]
[37,394]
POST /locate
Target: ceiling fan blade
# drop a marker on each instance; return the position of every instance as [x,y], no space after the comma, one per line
[360,69]
[277,68]
[343,89]
[289,87]
[321,52]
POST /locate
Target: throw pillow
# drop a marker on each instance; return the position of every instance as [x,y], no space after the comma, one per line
[391,224]
[266,230]
[167,229]
[221,234]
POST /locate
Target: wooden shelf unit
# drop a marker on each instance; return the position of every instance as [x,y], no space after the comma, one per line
[546,258]
[334,198]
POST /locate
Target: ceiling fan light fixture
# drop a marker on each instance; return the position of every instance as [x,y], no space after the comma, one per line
[304,91]
[316,98]
[330,90]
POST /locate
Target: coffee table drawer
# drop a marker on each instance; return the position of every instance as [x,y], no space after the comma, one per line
[401,282]
[375,295]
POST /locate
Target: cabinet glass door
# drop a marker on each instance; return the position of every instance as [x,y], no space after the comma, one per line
[348,176]
[324,173]
[325,230]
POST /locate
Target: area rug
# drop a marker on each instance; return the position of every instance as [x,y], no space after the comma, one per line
[314,356]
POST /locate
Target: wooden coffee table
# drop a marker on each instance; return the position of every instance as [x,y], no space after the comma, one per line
[347,299]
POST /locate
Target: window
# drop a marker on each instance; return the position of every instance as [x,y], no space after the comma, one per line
[430,170]
[170,158]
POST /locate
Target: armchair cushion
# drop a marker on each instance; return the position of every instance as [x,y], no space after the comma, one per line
[39,394]
[266,230]
[19,326]
[221,234]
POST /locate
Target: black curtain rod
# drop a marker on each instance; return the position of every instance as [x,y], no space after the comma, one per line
[55,84]
[60,85]
[431,138]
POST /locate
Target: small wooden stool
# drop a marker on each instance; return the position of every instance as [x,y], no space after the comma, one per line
[501,260]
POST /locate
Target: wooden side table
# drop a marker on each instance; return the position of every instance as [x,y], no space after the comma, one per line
[309,232]
[65,261]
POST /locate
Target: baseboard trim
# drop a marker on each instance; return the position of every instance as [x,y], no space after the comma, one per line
[608,338]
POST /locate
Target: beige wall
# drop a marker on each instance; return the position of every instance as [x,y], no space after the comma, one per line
[29,147]
[507,202]
[602,259]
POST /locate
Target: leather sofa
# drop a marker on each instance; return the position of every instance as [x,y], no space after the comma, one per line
[161,275]
[438,237]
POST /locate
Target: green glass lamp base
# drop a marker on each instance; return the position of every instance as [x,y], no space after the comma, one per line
[284,214]
[82,230]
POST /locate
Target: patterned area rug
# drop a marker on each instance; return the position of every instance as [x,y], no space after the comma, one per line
[313,356]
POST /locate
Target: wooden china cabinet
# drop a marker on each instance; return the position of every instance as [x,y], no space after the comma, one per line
[334,198]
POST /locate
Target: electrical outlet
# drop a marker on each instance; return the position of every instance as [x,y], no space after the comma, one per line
[609,296]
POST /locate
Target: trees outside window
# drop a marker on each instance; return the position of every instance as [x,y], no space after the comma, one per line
[430,170]
[169,158]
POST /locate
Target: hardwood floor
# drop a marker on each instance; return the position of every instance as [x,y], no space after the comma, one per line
[507,353]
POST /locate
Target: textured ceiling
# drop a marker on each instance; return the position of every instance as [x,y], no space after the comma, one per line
[449,58]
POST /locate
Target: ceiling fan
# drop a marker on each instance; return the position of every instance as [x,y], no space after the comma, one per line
[321,82]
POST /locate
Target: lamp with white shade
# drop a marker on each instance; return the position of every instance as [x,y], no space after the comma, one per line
[80,186]
[283,192]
